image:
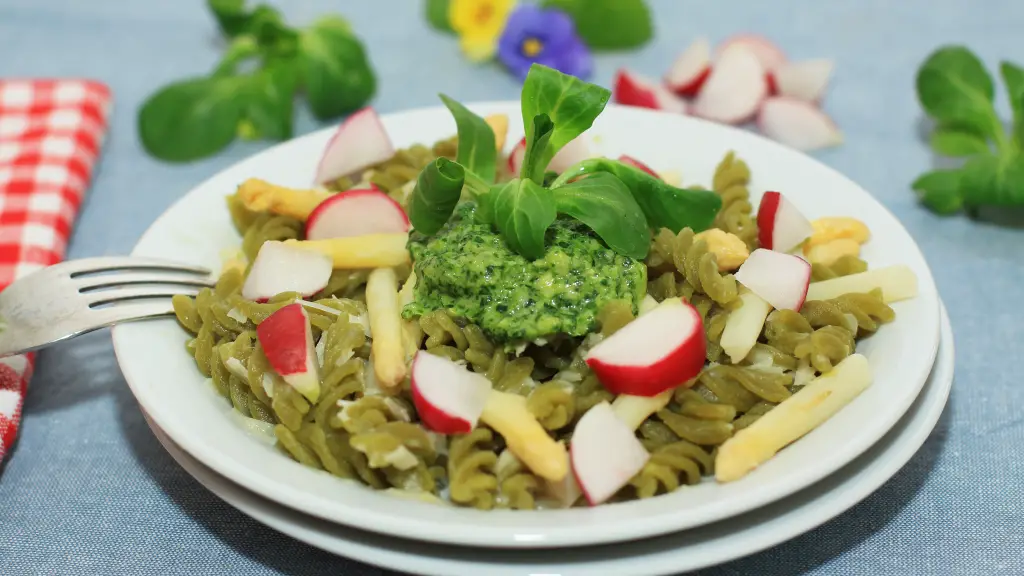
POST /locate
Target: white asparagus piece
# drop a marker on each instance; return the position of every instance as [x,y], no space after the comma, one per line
[526,438]
[387,345]
[797,415]
[743,326]
[897,283]
[412,334]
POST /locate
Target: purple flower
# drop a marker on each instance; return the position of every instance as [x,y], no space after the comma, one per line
[546,37]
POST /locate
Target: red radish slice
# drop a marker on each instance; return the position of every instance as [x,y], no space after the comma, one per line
[356,213]
[803,80]
[735,88]
[448,398]
[780,226]
[638,164]
[797,124]
[635,90]
[780,279]
[605,453]
[657,351]
[577,150]
[281,268]
[359,143]
[768,54]
[287,341]
[691,69]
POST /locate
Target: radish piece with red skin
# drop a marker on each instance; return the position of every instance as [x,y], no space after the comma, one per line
[356,213]
[767,52]
[572,153]
[360,142]
[633,89]
[629,160]
[287,342]
[605,453]
[279,268]
[658,351]
[780,225]
[735,89]
[690,69]
[797,124]
[803,80]
[448,398]
[779,279]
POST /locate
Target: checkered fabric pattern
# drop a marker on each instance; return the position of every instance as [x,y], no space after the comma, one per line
[51,132]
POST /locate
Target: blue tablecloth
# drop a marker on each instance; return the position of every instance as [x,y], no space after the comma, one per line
[90,492]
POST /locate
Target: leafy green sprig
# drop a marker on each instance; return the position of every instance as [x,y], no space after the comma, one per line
[251,92]
[621,204]
[957,92]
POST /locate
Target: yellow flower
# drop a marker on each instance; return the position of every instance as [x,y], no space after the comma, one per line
[479,24]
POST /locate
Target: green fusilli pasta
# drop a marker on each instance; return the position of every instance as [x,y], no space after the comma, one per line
[844,266]
[471,463]
[692,260]
[732,176]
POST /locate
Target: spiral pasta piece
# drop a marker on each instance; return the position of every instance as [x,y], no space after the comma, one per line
[860,313]
[843,266]
[731,179]
[553,405]
[518,487]
[694,262]
[471,463]
[671,466]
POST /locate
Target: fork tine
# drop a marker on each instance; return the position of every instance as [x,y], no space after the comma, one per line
[88,283]
[139,310]
[114,263]
[101,297]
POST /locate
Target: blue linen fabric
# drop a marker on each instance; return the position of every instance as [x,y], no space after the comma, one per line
[89,491]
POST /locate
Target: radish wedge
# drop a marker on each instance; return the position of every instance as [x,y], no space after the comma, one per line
[768,54]
[449,399]
[797,124]
[356,213]
[735,88]
[780,279]
[638,164]
[280,267]
[287,341]
[658,351]
[896,283]
[605,453]
[574,152]
[803,80]
[780,226]
[691,69]
[633,89]
[360,142]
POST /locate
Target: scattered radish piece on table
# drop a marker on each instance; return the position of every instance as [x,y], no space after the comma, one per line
[287,341]
[797,124]
[638,164]
[356,213]
[635,90]
[768,54]
[280,267]
[660,350]
[448,398]
[605,453]
[735,88]
[804,80]
[780,225]
[690,69]
[780,279]
[360,142]
[575,151]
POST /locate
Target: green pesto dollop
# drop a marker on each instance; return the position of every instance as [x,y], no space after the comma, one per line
[468,269]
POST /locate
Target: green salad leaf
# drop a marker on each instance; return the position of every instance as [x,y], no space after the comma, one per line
[231,15]
[335,70]
[270,98]
[957,92]
[437,192]
[537,138]
[191,119]
[523,211]
[664,205]
[570,103]
[437,15]
[478,152]
[604,204]
[608,24]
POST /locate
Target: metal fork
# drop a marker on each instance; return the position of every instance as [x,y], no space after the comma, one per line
[75,297]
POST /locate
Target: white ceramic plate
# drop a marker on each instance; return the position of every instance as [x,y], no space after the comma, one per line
[197,229]
[671,554]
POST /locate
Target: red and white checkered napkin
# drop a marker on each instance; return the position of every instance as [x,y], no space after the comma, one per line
[51,132]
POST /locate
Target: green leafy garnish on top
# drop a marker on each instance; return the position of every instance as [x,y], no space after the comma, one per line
[620,204]
[956,91]
[251,92]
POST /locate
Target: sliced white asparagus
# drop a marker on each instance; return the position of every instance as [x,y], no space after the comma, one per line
[743,326]
[412,334]
[794,417]
[526,438]
[386,325]
[897,283]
